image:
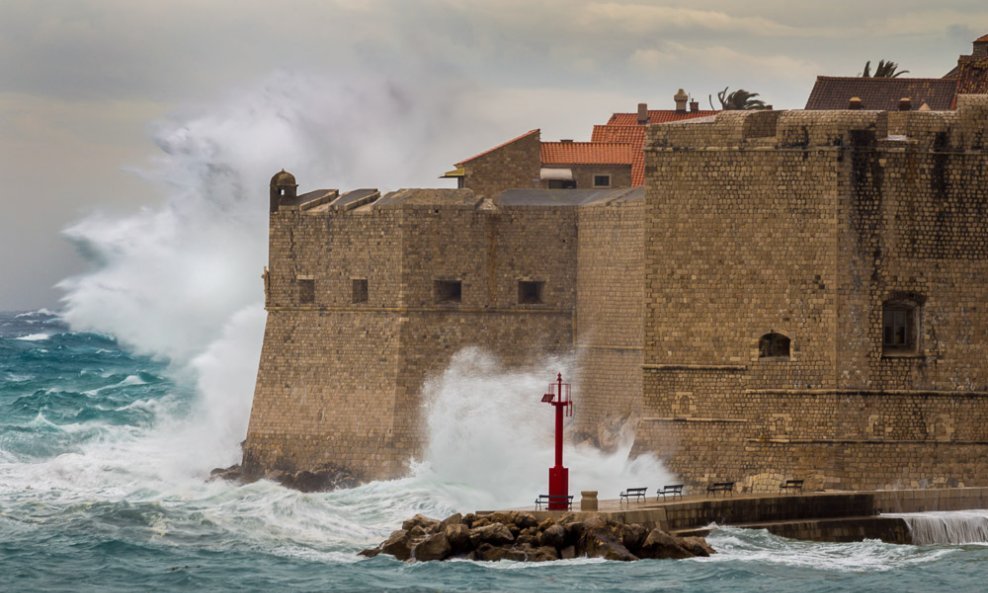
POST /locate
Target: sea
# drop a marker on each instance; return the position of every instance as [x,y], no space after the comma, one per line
[105,455]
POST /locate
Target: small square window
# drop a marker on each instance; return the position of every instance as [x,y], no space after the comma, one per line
[601,180]
[448,291]
[530,292]
[306,291]
[359,292]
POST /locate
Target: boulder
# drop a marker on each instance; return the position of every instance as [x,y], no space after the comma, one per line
[567,553]
[526,520]
[434,547]
[554,535]
[429,525]
[458,536]
[697,545]
[497,553]
[633,536]
[543,554]
[661,545]
[397,545]
[454,519]
[601,543]
[495,534]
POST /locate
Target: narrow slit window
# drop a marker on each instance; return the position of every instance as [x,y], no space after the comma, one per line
[530,292]
[359,290]
[306,291]
[900,326]
[448,291]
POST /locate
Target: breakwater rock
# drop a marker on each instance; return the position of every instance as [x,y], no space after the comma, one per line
[322,479]
[515,535]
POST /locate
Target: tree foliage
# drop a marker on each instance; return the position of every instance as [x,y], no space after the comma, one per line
[737,100]
[884,69]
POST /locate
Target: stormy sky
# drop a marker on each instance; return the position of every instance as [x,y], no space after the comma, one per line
[84,83]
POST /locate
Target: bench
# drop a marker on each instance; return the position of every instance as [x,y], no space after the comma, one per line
[791,485]
[721,487]
[636,493]
[545,499]
[670,490]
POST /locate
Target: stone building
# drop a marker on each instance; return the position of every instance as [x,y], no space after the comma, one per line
[613,158]
[970,76]
[815,289]
[794,294]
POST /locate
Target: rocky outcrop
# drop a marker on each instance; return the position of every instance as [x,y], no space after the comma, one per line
[324,478]
[520,536]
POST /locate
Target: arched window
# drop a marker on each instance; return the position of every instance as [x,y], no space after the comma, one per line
[901,324]
[773,345]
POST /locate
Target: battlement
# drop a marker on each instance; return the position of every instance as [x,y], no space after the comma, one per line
[963,129]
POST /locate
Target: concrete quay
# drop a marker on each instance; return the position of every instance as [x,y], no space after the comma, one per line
[839,516]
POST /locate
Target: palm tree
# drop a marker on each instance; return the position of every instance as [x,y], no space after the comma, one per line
[884,69]
[737,100]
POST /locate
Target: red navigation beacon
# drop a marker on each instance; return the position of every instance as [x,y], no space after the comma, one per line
[559,396]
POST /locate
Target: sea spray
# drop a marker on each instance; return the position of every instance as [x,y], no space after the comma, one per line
[488,431]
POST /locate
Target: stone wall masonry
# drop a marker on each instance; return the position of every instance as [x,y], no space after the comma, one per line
[804,224]
[609,318]
[514,165]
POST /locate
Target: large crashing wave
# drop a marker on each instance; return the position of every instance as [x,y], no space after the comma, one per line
[182,281]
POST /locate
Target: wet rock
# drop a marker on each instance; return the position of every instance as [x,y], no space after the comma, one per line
[458,536]
[434,547]
[633,536]
[494,534]
[429,525]
[453,519]
[697,545]
[397,545]
[543,554]
[661,545]
[567,553]
[601,543]
[554,535]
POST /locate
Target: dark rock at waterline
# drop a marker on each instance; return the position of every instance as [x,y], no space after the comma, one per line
[324,478]
[519,536]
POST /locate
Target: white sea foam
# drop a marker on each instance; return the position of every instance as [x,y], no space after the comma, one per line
[490,434]
[946,527]
[34,337]
[750,545]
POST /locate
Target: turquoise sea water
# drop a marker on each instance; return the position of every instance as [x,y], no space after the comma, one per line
[103,467]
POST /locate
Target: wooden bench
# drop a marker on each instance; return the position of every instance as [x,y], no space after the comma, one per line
[673,490]
[721,487]
[545,499]
[636,493]
[791,485]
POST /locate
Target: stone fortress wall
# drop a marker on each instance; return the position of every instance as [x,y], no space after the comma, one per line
[819,226]
[805,227]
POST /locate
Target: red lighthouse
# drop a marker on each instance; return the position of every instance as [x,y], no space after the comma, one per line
[559,397]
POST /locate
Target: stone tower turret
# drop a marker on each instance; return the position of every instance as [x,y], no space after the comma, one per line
[283,187]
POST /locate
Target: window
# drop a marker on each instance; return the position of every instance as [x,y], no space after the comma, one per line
[306,291]
[448,291]
[359,291]
[562,184]
[601,180]
[900,324]
[530,292]
[773,345]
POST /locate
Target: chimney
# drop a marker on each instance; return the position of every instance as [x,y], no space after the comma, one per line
[905,104]
[681,98]
[694,105]
[642,114]
[980,47]
[855,103]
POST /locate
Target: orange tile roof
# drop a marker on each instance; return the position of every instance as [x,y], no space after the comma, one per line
[501,145]
[658,116]
[633,135]
[587,153]
[982,39]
